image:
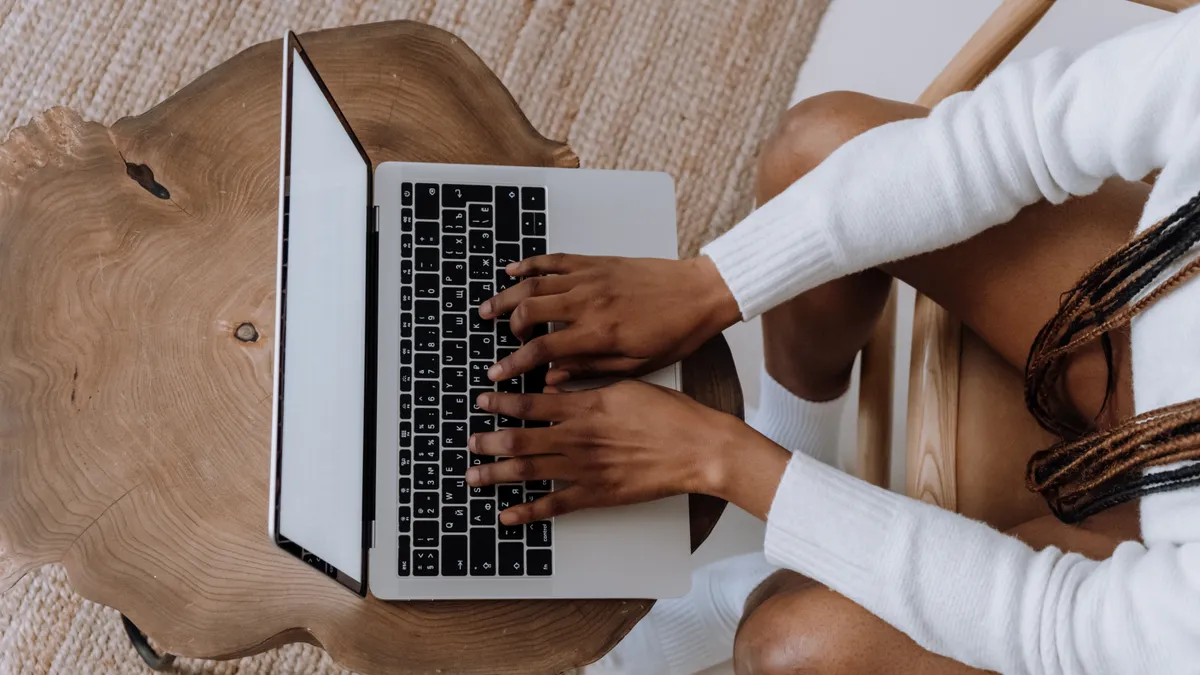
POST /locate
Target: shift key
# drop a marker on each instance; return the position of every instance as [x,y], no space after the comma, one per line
[483,552]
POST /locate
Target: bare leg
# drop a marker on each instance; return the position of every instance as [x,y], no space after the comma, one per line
[1004,284]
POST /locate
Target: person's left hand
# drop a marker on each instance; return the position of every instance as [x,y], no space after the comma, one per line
[621,444]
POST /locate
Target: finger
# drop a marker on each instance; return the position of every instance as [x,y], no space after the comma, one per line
[520,469]
[510,298]
[539,352]
[553,504]
[513,442]
[591,367]
[544,407]
[554,263]
[539,311]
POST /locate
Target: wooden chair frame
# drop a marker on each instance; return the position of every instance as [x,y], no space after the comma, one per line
[933,383]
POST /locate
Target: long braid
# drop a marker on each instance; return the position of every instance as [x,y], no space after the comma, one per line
[1091,470]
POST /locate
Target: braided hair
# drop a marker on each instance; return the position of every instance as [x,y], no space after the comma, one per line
[1092,470]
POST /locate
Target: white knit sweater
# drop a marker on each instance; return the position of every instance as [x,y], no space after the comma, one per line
[1048,128]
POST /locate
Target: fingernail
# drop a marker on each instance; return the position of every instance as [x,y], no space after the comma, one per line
[485,400]
[506,518]
[472,475]
[471,444]
[511,268]
[495,371]
[486,307]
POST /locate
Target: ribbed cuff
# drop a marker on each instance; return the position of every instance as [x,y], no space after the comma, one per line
[771,257]
[688,644]
[830,526]
[798,424]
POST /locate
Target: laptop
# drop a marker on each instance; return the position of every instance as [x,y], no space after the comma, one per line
[381,353]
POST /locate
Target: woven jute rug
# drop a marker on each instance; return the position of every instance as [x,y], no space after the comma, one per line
[691,87]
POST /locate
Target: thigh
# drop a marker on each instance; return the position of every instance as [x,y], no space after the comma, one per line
[794,625]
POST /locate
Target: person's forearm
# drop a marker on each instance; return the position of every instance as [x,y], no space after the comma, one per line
[748,469]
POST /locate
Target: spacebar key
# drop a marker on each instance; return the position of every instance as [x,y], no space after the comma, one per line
[483,552]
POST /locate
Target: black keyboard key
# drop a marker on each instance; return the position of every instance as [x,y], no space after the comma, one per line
[507,254]
[455,300]
[427,286]
[477,376]
[508,496]
[454,326]
[454,435]
[406,194]
[532,224]
[479,292]
[532,246]
[511,385]
[427,339]
[425,505]
[483,424]
[454,380]
[454,490]
[406,326]
[426,477]
[454,555]
[503,280]
[454,463]
[454,246]
[405,491]
[506,422]
[480,241]
[481,267]
[426,449]
[427,366]
[539,562]
[406,245]
[512,559]
[427,200]
[426,420]
[538,485]
[406,298]
[404,519]
[426,312]
[454,221]
[425,533]
[538,534]
[425,563]
[508,208]
[428,392]
[532,198]
[406,434]
[535,380]
[483,512]
[406,220]
[428,259]
[483,552]
[454,519]
[454,407]
[458,195]
[429,232]
[406,272]
[403,553]
[478,491]
[406,352]
[480,216]
[454,273]
[454,353]
[480,460]
[404,462]
[478,324]
[505,337]
[406,379]
[480,347]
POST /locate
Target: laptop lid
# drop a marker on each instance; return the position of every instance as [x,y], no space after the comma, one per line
[324,432]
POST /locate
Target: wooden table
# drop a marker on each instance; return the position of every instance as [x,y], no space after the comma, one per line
[137,285]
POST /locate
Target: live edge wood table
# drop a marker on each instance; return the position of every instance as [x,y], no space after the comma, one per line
[137,278]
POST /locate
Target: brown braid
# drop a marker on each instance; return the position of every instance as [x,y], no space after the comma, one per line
[1090,470]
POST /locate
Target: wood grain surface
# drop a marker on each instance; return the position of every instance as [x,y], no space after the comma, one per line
[137,279]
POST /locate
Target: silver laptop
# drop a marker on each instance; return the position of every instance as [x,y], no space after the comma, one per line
[381,353]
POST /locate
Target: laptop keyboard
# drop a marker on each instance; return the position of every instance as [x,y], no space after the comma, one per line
[455,242]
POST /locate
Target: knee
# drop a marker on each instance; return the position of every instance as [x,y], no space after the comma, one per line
[810,632]
[807,133]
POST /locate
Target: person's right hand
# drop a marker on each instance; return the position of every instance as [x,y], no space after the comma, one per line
[619,316]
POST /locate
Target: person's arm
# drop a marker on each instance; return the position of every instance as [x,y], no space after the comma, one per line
[963,590]
[1046,128]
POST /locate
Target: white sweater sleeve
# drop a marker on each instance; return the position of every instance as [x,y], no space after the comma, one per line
[964,590]
[1046,128]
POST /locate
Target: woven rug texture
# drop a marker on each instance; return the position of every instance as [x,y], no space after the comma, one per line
[691,87]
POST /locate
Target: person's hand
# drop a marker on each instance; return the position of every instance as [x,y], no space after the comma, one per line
[625,443]
[620,315]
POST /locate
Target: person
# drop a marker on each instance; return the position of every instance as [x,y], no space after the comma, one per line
[994,204]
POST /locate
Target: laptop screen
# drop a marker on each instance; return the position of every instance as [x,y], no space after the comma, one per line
[322,407]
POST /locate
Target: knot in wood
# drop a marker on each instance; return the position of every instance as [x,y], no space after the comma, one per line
[246,332]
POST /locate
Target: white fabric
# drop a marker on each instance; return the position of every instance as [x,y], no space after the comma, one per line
[1048,128]
[796,424]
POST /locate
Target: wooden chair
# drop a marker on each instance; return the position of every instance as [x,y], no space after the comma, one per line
[962,398]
